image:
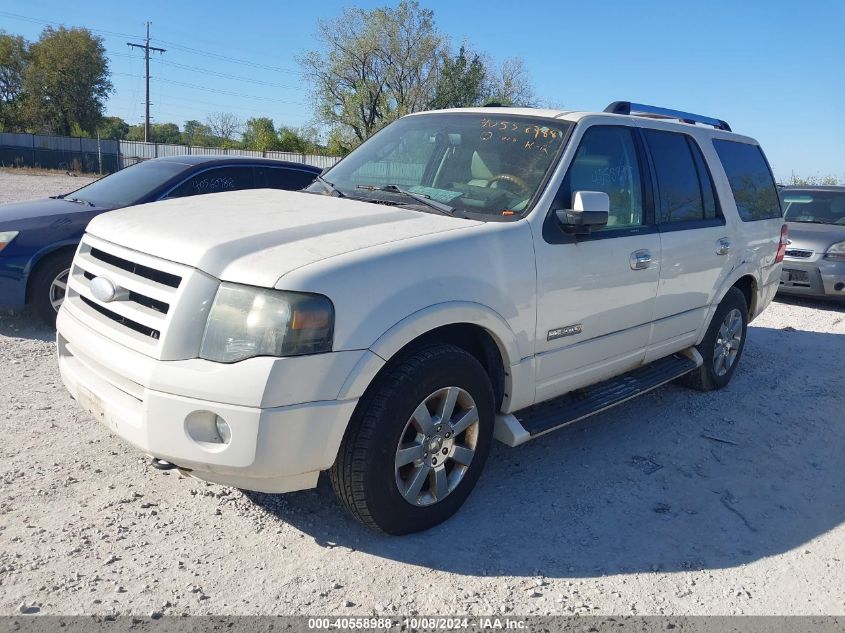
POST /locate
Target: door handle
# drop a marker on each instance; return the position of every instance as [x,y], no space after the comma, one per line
[641,259]
[724,246]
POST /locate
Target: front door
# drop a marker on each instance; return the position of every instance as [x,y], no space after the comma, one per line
[596,292]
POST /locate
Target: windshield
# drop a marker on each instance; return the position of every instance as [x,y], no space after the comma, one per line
[486,166]
[128,186]
[816,206]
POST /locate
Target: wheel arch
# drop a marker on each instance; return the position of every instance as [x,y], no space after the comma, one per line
[42,257]
[746,281]
[473,327]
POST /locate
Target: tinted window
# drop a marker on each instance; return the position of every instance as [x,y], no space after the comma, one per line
[751,180]
[606,160]
[815,206]
[130,185]
[216,180]
[286,178]
[684,189]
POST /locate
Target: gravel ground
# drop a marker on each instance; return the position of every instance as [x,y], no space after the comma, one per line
[678,502]
[25,184]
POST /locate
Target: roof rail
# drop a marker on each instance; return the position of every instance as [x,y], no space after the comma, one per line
[626,107]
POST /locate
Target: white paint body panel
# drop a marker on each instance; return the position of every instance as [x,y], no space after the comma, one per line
[392,274]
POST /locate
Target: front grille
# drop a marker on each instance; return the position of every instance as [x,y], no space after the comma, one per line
[132,325]
[152,274]
[147,288]
[798,253]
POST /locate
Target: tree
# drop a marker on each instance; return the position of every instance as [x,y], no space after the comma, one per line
[113,127]
[814,181]
[225,126]
[512,85]
[196,133]
[462,81]
[159,133]
[66,81]
[260,134]
[14,55]
[378,66]
[302,140]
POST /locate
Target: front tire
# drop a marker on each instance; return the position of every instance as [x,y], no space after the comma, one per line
[722,345]
[417,442]
[49,285]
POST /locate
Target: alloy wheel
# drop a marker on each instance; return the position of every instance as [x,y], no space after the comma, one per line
[728,343]
[437,446]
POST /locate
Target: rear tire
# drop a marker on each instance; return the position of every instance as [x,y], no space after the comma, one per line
[417,442]
[49,284]
[722,345]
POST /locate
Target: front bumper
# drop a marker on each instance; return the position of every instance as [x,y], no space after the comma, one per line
[285,419]
[817,277]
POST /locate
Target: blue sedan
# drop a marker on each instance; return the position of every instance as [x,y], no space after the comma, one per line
[38,238]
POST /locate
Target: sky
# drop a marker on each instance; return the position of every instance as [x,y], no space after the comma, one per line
[775,70]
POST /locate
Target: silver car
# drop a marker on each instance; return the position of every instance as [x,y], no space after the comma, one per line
[814,264]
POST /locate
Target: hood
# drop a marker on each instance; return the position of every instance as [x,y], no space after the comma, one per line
[814,237]
[257,236]
[41,208]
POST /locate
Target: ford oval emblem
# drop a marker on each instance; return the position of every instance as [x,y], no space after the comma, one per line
[103,289]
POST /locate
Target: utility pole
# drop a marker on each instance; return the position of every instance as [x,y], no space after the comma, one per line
[147,48]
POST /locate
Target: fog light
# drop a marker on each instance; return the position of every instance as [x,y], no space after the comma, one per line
[205,427]
[223,430]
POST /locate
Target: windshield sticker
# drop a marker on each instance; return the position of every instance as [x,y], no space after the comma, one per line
[440,195]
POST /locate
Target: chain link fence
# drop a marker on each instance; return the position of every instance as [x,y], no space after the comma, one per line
[105,156]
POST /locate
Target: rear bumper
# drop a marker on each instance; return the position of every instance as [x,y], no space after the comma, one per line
[144,401]
[820,278]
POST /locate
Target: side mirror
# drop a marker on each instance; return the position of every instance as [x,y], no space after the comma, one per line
[589,209]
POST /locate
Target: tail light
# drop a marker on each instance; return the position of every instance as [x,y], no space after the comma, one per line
[782,244]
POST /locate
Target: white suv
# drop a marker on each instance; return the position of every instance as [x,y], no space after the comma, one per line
[463,275]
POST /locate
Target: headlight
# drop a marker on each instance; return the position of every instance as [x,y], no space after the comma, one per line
[836,251]
[6,237]
[245,321]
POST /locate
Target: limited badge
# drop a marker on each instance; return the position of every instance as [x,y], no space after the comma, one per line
[567,330]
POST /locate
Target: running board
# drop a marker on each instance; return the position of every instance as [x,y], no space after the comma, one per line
[517,428]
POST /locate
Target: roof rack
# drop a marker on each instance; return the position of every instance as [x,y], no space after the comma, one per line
[626,107]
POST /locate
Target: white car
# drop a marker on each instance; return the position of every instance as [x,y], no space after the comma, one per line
[462,275]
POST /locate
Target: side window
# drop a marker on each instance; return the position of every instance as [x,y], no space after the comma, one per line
[286,178]
[751,180]
[216,180]
[607,161]
[684,187]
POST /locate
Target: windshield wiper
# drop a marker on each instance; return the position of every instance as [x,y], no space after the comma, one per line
[419,197]
[80,201]
[331,187]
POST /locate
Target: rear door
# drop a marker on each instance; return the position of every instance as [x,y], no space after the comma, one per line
[696,253]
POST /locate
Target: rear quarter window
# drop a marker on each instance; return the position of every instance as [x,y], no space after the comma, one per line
[751,180]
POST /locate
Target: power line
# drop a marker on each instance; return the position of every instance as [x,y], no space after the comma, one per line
[47,23]
[147,48]
[174,45]
[234,60]
[208,71]
[217,90]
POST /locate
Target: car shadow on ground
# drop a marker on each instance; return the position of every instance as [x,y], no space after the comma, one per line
[24,324]
[828,305]
[672,481]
